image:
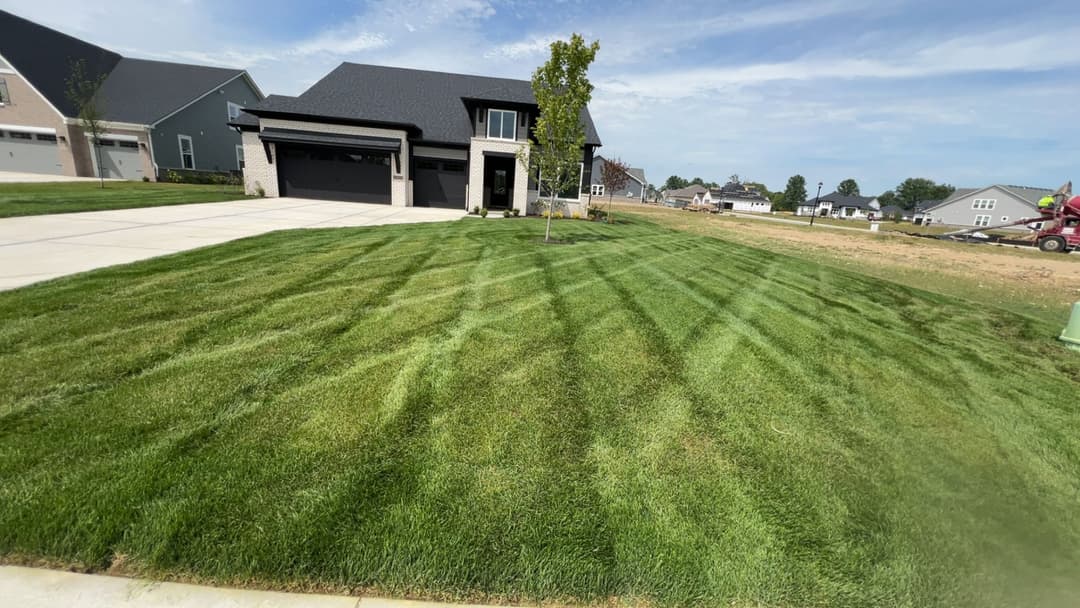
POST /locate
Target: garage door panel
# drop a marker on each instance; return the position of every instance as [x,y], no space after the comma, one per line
[334,174]
[30,153]
[121,160]
[440,183]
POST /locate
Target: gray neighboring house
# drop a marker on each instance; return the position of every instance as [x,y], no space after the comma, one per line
[634,189]
[403,137]
[156,115]
[987,207]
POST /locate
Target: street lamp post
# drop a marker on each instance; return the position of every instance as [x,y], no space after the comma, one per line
[817,198]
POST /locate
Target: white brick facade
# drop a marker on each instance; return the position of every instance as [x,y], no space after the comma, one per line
[477,147]
[258,173]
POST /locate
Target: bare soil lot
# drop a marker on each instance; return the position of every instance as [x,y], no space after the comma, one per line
[1021,280]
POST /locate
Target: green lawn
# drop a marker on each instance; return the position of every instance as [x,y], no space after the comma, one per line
[457,411]
[70,197]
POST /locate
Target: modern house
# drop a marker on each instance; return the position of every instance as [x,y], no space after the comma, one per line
[635,188]
[734,196]
[684,196]
[403,137]
[989,206]
[156,115]
[840,206]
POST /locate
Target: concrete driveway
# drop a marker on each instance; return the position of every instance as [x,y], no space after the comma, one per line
[42,247]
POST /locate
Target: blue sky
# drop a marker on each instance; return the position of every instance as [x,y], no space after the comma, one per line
[963,92]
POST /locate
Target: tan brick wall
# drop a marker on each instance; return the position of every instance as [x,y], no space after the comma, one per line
[477,148]
[28,109]
[400,189]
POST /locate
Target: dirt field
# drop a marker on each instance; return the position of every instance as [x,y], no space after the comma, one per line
[1022,280]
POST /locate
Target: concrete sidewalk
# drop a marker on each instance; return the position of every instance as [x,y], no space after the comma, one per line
[40,247]
[35,588]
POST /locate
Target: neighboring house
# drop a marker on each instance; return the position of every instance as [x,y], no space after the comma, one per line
[635,186]
[156,115]
[987,207]
[840,206]
[686,195]
[918,214]
[734,196]
[890,212]
[403,137]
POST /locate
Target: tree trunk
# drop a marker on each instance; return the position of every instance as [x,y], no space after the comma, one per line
[100,168]
[609,219]
[551,213]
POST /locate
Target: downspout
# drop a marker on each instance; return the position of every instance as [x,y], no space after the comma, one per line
[150,147]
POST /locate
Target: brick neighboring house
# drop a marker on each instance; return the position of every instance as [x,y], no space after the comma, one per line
[986,207]
[157,115]
[403,137]
[635,188]
[840,206]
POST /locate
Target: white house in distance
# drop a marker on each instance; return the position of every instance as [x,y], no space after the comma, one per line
[735,197]
[987,207]
[840,206]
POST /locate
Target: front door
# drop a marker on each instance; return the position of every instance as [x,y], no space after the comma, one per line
[498,182]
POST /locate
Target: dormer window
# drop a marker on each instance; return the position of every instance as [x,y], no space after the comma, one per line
[502,124]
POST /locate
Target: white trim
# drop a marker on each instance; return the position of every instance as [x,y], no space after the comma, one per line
[239,156]
[32,87]
[983,204]
[197,100]
[7,71]
[108,124]
[596,190]
[113,137]
[22,129]
[228,110]
[980,217]
[191,144]
[487,130]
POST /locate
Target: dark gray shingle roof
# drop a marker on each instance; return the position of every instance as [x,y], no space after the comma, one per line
[44,57]
[841,200]
[433,102]
[142,91]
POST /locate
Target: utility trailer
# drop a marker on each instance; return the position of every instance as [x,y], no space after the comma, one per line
[1059,231]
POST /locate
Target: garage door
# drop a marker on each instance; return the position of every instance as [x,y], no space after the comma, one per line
[334,174]
[29,152]
[439,183]
[121,159]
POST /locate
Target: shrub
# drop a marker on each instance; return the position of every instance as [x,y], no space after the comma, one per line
[544,213]
[476,210]
[259,190]
[515,211]
[145,178]
[559,215]
[483,212]
[576,215]
[506,213]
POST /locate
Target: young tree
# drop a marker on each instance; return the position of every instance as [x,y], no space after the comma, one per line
[562,90]
[614,175]
[848,187]
[697,181]
[675,183]
[82,92]
[795,193]
[915,190]
[734,179]
[887,198]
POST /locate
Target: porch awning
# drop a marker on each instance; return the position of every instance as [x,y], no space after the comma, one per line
[332,140]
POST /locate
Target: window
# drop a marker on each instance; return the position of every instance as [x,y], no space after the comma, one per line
[128,144]
[18,135]
[983,203]
[501,124]
[982,220]
[44,137]
[187,152]
[234,110]
[4,98]
[597,190]
[240,157]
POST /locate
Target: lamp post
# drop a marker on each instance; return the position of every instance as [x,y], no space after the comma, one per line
[817,198]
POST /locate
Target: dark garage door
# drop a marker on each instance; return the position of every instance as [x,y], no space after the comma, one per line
[439,183]
[334,174]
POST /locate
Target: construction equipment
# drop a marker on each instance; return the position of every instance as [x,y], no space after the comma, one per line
[1058,227]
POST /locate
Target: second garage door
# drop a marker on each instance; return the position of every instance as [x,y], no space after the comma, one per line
[334,174]
[121,159]
[439,183]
